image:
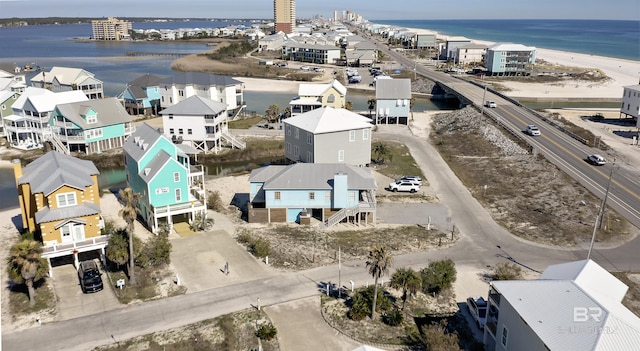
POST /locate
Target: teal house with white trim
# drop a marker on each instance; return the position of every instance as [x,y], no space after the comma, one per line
[171,188]
[142,95]
[327,192]
[92,126]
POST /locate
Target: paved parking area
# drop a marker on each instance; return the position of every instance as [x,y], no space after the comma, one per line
[72,302]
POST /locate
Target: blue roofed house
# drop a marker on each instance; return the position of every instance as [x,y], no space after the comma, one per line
[163,174]
[393,101]
[142,95]
[90,126]
[328,192]
[199,122]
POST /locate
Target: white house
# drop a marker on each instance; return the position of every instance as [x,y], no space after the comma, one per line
[393,101]
[631,102]
[60,79]
[451,47]
[183,85]
[470,53]
[199,122]
[328,135]
[572,306]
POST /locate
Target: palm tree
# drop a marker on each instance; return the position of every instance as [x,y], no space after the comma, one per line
[379,261]
[372,105]
[408,280]
[26,266]
[382,151]
[272,113]
[412,103]
[129,213]
[348,106]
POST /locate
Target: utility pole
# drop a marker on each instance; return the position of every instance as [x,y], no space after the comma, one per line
[484,95]
[339,274]
[600,216]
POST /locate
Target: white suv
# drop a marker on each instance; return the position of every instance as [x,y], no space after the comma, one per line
[490,104]
[533,130]
[404,185]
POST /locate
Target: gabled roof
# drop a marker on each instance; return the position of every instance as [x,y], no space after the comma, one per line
[64,75]
[328,120]
[145,81]
[44,100]
[47,214]
[318,89]
[393,88]
[195,106]
[312,176]
[200,78]
[54,170]
[154,166]
[6,95]
[548,306]
[135,144]
[109,112]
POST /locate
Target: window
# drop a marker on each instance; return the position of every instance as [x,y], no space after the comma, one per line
[398,102]
[171,131]
[327,196]
[341,156]
[309,157]
[309,138]
[180,131]
[180,92]
[312,195]
[505,336]
[190,131]
[4,107]
[365,134]
[352,135]
[66,232]
[288,147]
[277,195]
[178,195]
[296,133]
[352,196]
[296,150]
[171,116]
[288,130]
[66,199]
[162,99]
[92,119]
[176,177]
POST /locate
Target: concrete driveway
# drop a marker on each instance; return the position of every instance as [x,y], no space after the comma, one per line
[72,302]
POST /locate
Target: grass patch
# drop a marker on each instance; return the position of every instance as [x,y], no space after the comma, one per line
[256,149]
[245,123]
[400,162]
[19,299]
[632,298]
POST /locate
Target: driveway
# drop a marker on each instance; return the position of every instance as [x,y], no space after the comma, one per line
[72,303]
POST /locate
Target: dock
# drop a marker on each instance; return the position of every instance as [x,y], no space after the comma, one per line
[149,53]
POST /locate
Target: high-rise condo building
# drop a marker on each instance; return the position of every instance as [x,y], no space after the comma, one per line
[110,29]
[284,14]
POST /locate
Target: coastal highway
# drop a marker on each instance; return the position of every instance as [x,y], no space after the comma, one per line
[565,152]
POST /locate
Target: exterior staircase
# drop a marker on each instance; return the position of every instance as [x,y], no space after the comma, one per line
[236,112]
[367,205]
[57,144]
[235,142]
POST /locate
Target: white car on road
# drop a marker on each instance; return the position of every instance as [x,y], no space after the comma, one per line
[533,130]
[490,104]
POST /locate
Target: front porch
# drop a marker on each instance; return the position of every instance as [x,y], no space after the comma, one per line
[54,249]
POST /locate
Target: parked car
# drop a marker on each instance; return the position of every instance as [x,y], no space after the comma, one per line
[355,79]
[318,69]
[410,178]
[477,307]
[404,185]
[490,104]
[90,277]
[533,130]
[305,68]
[282,64]
[596,160]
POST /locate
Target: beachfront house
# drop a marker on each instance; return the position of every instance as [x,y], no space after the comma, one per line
[451,47]
[507,59]
[59,202]
[393,101]
[171,188]
[572,306]
[184,85]
[90,127]
[7,98]
[200,123]
[470,53]
[315,95]
[328,192]
[12,77]
[631,102]
[142,95]
[28,126]
[312,53]
[60,79]
[328,135]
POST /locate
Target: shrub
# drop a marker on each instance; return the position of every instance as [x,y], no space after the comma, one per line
[393,317]
[266,331]
[261,248]
[156,252]
[435,337]
[507,271]
[214,201]
[362,301]
[438,276]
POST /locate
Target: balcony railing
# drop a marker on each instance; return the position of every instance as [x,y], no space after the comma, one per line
[65,249]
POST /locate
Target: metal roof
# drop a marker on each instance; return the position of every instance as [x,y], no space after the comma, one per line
[195,106]
[146,80]
[64,75]
[317,89]
[328,120]
[200,78]
[109,111]
[54,170]
[144,135]
[314,176]
[55,214]
[154,166]
[510,47]
[393,88]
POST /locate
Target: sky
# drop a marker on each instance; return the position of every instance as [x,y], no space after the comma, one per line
[369,9]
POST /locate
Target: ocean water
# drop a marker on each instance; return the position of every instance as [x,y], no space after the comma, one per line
[619,39]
